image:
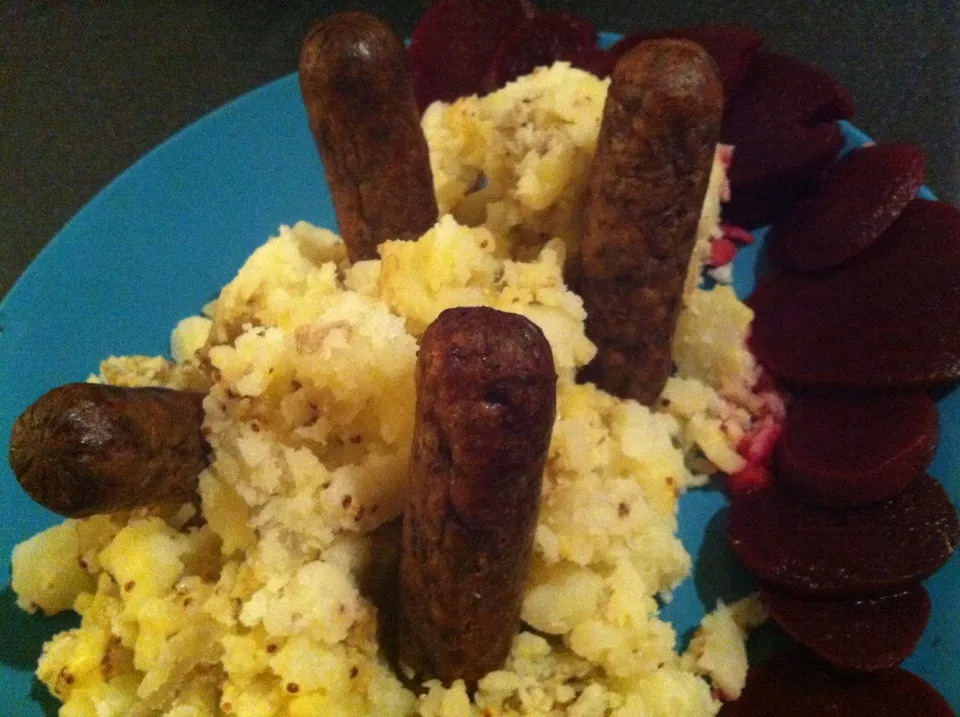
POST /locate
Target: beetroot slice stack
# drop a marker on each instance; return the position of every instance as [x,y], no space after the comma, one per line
[851,521]
[847,450]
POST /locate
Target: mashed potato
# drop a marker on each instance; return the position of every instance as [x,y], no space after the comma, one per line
[253,607]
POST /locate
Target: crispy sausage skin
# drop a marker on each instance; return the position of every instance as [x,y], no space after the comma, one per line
[643,201]
[358,91]
[486,402]
[86,448]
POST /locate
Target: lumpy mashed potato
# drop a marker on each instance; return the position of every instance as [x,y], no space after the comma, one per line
[252,606]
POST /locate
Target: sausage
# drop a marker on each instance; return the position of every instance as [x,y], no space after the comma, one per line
[486,402]
[643,200]
[358,90]
[87,448]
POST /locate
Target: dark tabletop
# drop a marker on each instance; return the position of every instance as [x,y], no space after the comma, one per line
[88,87]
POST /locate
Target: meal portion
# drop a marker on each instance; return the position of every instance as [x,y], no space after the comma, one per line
[432,466]
[535,548]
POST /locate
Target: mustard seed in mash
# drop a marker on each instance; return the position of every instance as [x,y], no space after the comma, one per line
[254,608]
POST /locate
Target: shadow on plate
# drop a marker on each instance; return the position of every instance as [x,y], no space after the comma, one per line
[718,576]
[21,640]
[48,704]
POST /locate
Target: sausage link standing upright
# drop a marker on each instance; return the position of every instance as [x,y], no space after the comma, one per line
[486,402]
[643,202]
[87,448]
[358,90]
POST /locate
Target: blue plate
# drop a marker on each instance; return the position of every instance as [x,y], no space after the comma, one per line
[160,241]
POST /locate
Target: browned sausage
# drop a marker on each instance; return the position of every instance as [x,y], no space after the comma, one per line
[643,201]
[358,90]
[486,401]
[88,448]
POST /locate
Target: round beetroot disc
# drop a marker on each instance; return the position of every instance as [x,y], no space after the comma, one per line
[775,162]
[794,685]
[859,552]
[781,121]
[865,635]
[889,319]
[851,449]
[542,40]
[861,195]
[453,43]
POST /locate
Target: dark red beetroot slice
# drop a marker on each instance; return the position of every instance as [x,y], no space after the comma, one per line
[781,124]
[453,43]
[544,39]
[847,450]
[857,552]
[864,635]
[796,686]
[789,90]
[774,164]
[596,60]
[732,47]
[859,198]
[889,319]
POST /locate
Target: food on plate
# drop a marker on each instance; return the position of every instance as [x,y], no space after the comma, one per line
[87,448]
[889,319]
[641,210]
[274,591]
[866,634]
[794,685]
[793,547]
[358,91]
[782,122]
[543,39]
[266,601]
[454,43]
[732,47]
[844,450]
[486,404]
[859,198]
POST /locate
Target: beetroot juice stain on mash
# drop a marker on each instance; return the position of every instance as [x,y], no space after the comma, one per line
[253,607]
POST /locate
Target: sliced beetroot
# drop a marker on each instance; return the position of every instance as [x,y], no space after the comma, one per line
[794,685]
[790,90]
[453,43]
[732,47]
[781,121]
[542,40]
[774,165]
[864,635]
[860,197]
[845,450]
[804,550]
[889,319]
[596,60]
